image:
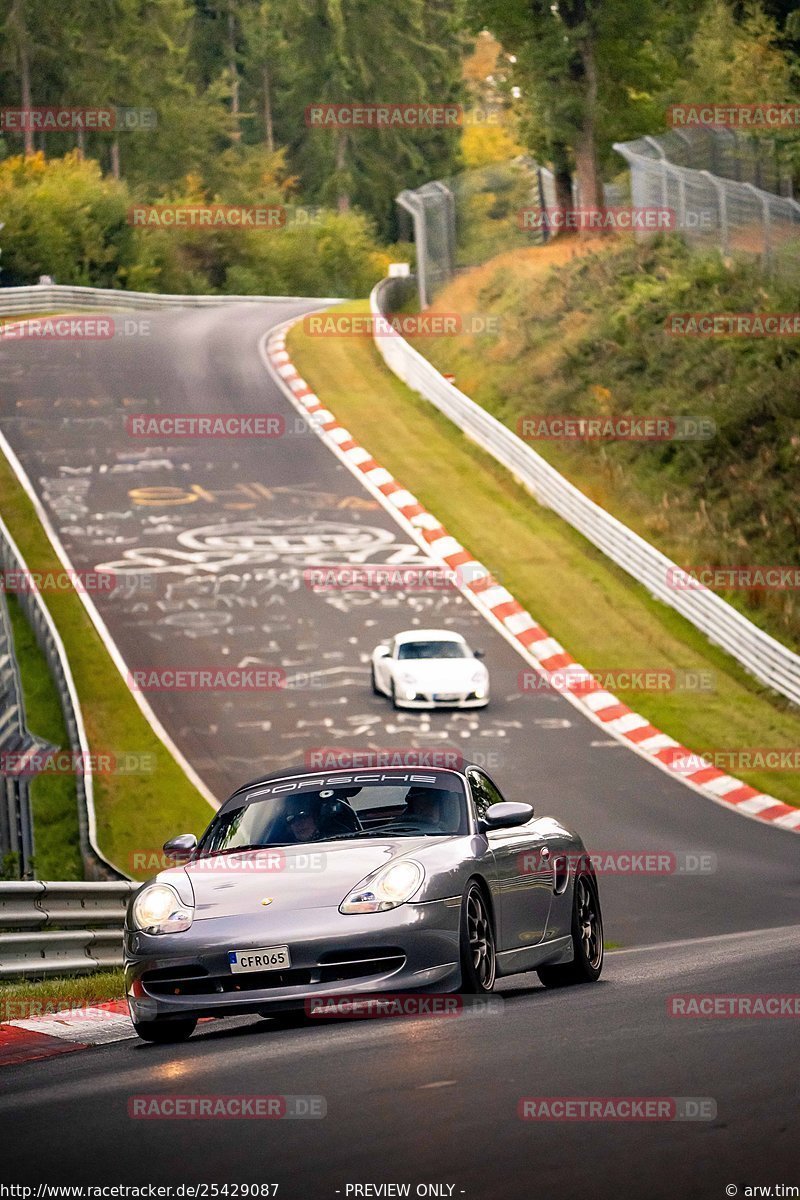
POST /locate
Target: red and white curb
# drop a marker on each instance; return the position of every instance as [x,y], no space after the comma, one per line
[63,1032]
[506,614]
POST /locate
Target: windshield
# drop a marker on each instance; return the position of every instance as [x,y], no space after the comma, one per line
[443,649]
[415,805]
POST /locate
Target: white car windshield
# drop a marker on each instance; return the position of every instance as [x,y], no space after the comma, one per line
[443,649]
[421,806]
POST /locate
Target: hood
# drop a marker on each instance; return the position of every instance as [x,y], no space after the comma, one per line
[317,875]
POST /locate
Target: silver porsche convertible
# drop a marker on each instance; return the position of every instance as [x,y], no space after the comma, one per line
[358,882]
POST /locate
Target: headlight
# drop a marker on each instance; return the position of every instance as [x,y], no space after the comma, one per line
[478,677]
[159,909]
[386,888]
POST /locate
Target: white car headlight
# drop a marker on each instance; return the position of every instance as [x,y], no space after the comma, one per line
[479,677]
[159,909]
[386,888]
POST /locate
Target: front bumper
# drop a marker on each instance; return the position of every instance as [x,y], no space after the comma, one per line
[412,948]
[425,700]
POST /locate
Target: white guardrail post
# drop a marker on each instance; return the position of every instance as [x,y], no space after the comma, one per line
[763,656]
[61,928]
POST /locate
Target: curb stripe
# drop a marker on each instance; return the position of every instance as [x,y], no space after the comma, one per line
[497,602]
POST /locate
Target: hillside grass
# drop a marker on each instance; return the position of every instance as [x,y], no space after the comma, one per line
[596,610]
[583,332]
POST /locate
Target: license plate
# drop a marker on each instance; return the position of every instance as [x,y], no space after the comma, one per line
[440,696]
[271,958]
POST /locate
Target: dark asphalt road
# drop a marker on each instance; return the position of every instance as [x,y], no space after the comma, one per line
[435,1101]
[423,1101]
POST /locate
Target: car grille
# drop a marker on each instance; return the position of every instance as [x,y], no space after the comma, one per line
[332,967]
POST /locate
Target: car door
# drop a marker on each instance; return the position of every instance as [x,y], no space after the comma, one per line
[524,873]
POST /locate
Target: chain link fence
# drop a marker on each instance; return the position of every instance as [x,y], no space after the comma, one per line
[707,179]
[468,219]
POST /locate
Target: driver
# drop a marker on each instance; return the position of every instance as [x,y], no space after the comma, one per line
[424,807]
[303,825]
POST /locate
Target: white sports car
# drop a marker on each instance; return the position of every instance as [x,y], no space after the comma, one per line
[430,668]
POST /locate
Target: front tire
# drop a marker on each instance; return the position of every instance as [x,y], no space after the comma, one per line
[394,697]
[376,690]
[478,957]
[165,1032]
[587,939]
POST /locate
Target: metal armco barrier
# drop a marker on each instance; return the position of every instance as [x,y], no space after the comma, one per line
[96,865]
[763,656]
[56,297]
[61,928]
[16,832]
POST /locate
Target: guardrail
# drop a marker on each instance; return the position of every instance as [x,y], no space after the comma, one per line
[54,297]
[96,865]
[61,928]
[763,656]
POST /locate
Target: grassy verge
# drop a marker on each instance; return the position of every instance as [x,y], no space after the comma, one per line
[135,813]
[26,998]
[603,617]
[586,334]
[54,802]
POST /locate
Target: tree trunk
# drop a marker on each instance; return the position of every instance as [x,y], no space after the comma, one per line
[80,143]
[590,188]
[266,90]
[343,199]
[16,19]
[562,176]
[115,171]
[234,69]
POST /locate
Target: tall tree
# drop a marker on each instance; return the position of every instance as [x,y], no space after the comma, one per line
[589,72]
[359,51]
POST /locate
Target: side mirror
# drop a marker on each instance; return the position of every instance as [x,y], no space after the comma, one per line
[479,653]
[381,651]
[181,847]
[506,816]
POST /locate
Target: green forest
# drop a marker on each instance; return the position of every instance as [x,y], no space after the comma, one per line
[211,99]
